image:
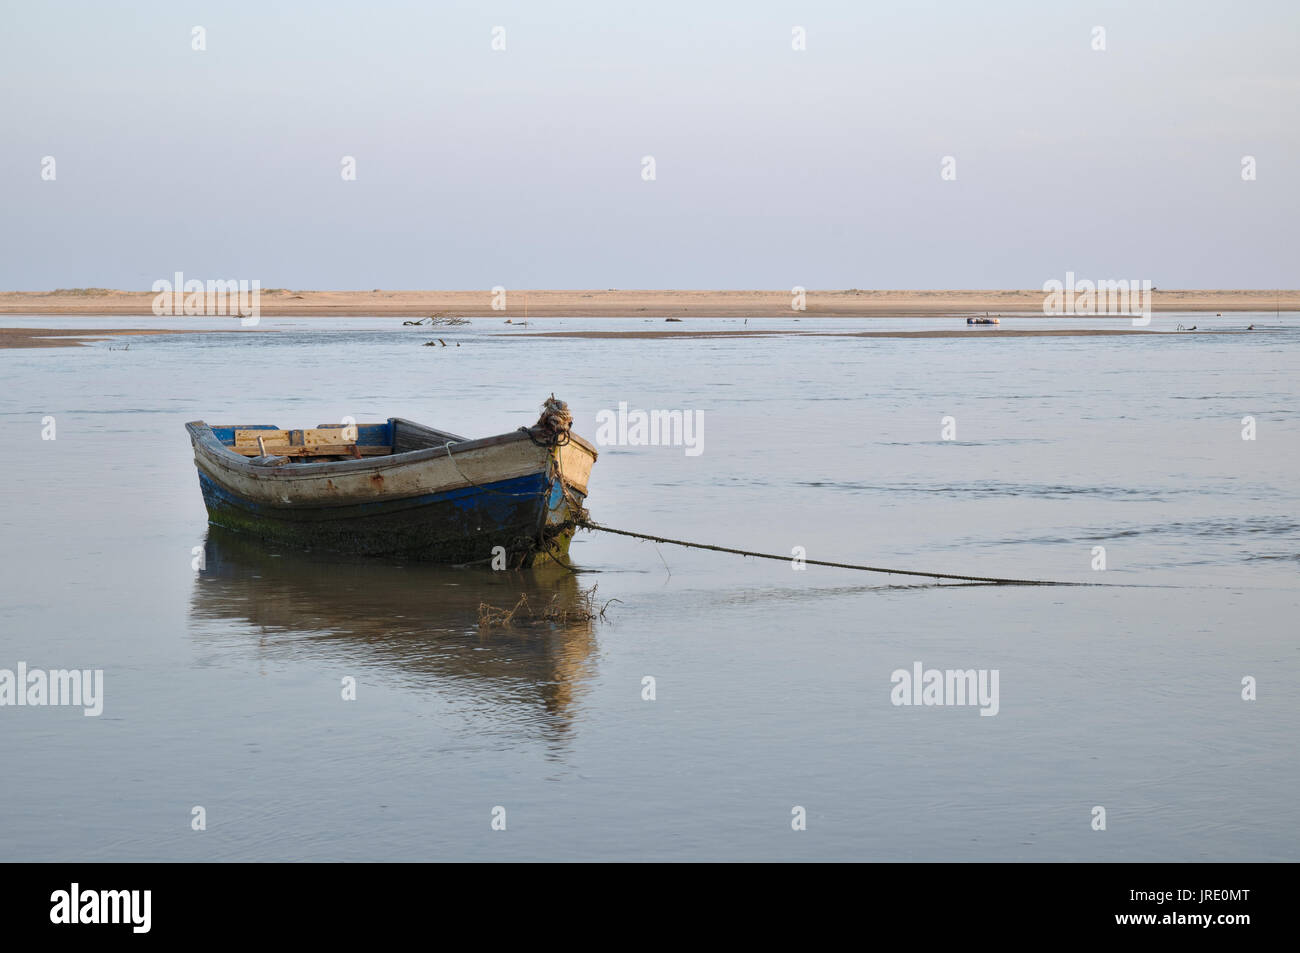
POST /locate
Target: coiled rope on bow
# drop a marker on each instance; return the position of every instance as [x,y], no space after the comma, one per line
[555,423]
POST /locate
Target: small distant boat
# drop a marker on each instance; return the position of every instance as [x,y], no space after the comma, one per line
[984,320]
[399,488]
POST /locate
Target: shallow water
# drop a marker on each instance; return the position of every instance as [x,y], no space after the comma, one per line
[222,687]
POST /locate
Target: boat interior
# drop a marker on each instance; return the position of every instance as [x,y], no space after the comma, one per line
[332,441]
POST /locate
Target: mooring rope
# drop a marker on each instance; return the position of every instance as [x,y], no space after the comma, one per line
[991,580]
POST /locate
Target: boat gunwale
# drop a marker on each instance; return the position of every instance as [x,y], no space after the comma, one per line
[204,439]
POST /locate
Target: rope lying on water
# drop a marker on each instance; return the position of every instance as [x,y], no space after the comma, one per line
[991,580]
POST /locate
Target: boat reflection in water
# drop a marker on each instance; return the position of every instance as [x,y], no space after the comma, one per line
[415,625]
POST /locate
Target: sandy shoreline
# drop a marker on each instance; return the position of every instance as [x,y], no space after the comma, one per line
[986,333]
[76,337]
[647,304]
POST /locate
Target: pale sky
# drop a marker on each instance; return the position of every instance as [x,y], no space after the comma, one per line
[774,167]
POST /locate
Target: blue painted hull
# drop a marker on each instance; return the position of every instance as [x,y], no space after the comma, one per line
[523,516]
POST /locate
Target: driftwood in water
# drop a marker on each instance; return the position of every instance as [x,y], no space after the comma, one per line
[439,319]
[581,608]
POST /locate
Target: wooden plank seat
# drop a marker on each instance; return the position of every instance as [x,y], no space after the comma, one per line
[309,442]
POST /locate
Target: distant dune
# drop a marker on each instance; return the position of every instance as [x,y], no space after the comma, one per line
[613,303]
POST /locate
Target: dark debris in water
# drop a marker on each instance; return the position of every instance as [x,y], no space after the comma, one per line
[578,609]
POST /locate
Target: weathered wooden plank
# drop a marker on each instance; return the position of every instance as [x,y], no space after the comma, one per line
[367,435]
[282,448]
[308,442]
[308,437]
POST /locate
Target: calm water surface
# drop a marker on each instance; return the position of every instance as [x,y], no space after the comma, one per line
[222,687]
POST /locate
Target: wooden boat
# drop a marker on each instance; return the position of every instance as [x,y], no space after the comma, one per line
[400,489]
[985,320]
